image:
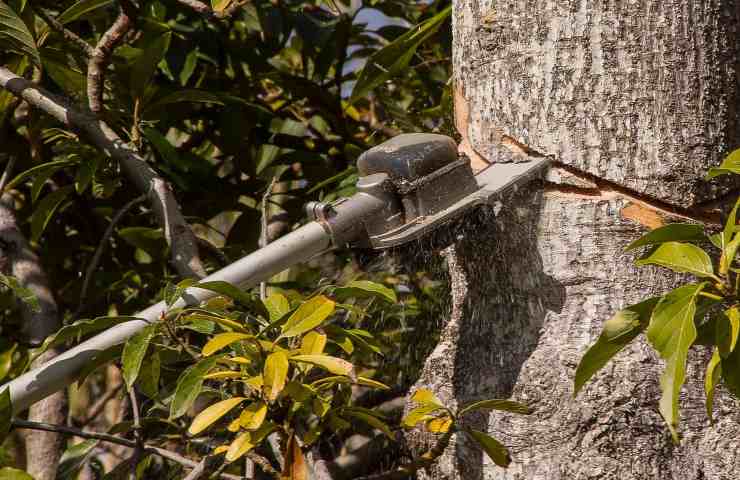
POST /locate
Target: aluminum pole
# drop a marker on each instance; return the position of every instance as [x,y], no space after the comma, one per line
[295,247]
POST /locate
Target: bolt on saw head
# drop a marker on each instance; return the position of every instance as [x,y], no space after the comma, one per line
[412,184]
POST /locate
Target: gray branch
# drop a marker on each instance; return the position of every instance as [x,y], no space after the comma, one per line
[178,234]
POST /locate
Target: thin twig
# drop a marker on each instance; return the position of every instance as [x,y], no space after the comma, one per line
[98,407]
[197,472]
[95,261]
[136,457]
[179,236]
[263,463]
[105,437]
[263,234]
[210,13]
[71,37]
[100,58]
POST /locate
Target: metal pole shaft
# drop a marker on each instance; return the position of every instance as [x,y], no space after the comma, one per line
[295,247]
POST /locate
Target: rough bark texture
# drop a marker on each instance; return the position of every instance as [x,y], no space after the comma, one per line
[639,93]
[643,93]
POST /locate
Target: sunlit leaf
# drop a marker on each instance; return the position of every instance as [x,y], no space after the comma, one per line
[210,415]
[618,332]
[222,340]
[10,473]
[496,404]
[421,413]
[426,396]
[711,380]
[680,257]
[439,424]
[308,316]
[672,332]
[253,416]
[731,164]
[277,306]
[313,343]
[364,288]
[275,374]
[334,365]
[674,232]
[493,448]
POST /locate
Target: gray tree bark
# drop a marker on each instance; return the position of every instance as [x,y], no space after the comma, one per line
[634,101]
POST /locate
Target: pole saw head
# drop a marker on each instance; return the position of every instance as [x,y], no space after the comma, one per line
[422,182]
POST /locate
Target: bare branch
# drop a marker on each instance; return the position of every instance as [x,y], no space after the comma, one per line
[100,57]
[71,37]
[95,261]
[105,437]
[209,13]
[177,232]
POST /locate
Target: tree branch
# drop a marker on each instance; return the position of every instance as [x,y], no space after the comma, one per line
[84,47]
[424,461]
[210,13]
[177,232]
[100,57]
[105,437]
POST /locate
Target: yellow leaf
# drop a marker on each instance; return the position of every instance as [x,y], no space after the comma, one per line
[239,360]
[335,365]
[313,343]
[224,322]
[223,340]
[241,445]
[277,306]
[220,449]
[439,425]
[234,425]
[295,465]
[275,374]
[211,414]
[220,5]
[256,383]
[253,416]
[223,374]
[425,396]
[309,315]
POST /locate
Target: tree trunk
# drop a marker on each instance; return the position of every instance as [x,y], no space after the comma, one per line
[633,101]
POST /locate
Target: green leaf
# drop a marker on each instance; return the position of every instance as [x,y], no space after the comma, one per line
[393,59]
[15,36]
[80,8]
[275,374]
[37,170]
[210,415]
[189,96]
[85,174]
[146,64]
[134,352]
[366,417]
[419,414]
[172,293]
[425,396]
[149,376]
[10,473]
[493,448]
[364,288]
[6,414]
[334,365]
[74,458]
[81,328]
[45,210]
[731,164]
[711,379]
[727,330]
[495,404]
[618,332]
[22,293]
[277,306]
[189,386]
[674,232]
[308,316]
[222,340]
[680,257]
[672,332]
[246,299]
